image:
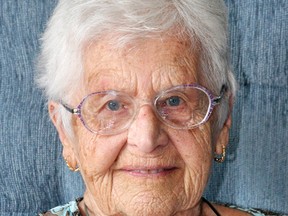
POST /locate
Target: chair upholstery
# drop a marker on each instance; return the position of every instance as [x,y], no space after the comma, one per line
[33,176]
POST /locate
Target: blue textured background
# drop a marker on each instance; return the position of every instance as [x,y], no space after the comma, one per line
[33,176]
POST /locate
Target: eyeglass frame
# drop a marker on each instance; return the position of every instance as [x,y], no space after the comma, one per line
[213,101]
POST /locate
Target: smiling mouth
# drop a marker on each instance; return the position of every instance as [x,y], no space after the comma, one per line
[152,171]
[159,171]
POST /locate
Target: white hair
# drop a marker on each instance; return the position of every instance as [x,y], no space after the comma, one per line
[78,22]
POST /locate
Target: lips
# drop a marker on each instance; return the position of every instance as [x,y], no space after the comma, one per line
[150,171]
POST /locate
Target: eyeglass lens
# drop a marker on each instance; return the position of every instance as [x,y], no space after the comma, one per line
[111,112]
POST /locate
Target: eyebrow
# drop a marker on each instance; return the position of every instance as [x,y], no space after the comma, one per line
[106,79]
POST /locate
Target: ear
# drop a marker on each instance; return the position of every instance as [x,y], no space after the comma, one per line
[68,147]
[223,137]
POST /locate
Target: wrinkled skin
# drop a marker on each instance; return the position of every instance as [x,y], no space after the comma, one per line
[110,164]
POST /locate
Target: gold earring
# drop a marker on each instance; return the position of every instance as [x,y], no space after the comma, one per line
[70,167]
[220,158]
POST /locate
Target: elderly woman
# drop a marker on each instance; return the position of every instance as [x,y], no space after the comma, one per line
[141,95]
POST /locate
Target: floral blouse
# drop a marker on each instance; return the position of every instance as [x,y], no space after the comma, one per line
[71,209]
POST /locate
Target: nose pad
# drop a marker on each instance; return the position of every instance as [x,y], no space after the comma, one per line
[145,132]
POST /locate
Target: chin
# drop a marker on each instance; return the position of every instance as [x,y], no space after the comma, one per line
[152,196]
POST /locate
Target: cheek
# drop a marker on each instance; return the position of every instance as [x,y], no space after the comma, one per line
[194,145]
[195,149]
[96,154]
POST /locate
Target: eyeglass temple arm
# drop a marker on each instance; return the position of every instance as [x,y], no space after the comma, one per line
[71,110]
[224,88]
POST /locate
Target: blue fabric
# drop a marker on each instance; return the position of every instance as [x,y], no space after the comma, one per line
[257,162]
[33,176]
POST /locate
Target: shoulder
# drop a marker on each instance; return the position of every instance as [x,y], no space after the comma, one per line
[229,210]
[220,209]
[70,208]
[236,211]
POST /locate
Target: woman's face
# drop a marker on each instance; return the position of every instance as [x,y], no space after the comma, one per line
[149,169]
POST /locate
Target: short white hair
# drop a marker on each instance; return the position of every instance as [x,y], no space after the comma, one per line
[75,23]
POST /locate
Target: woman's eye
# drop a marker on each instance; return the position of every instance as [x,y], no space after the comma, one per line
[174,101]
[113,105]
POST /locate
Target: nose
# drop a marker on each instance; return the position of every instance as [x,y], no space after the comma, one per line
[145,133]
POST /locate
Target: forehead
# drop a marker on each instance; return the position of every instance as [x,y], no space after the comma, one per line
[146,63]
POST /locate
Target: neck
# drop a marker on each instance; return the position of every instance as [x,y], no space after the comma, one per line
[85,211]
[88,209]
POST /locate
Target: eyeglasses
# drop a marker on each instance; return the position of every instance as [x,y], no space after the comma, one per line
[180,107]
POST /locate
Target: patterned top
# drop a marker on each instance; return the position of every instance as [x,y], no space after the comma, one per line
[71,209]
